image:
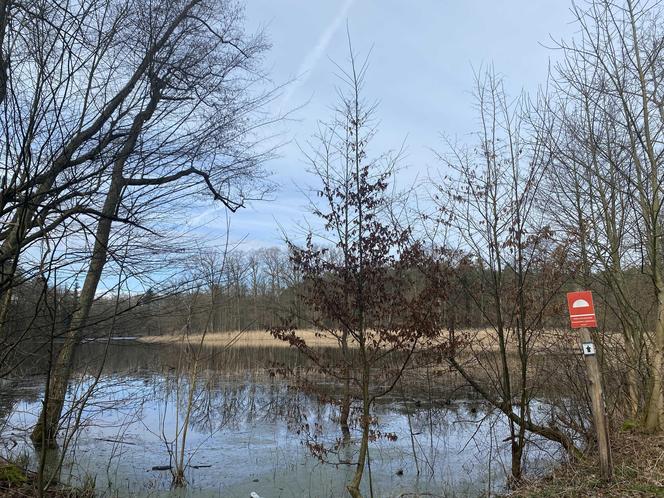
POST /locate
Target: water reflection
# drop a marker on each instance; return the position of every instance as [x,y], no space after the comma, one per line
[251,430]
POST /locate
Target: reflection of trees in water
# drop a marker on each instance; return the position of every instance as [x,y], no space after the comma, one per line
[8,401]
[237,386]
[235,389]
[227,403]
[248,362]
[230,404]
[131,357]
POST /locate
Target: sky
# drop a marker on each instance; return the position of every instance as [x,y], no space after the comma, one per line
[423,57]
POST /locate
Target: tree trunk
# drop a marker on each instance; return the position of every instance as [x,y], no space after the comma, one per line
[354,486]
[633,384]
[9,254]
[4,59]
[5,303]
[550,433]
[517,455]
[344,411]
[45,432]
[653,421]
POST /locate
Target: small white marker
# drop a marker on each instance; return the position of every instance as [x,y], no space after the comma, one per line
[588,348]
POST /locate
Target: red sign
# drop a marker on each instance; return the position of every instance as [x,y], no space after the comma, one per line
[581,309]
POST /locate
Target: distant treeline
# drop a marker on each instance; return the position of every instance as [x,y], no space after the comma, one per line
[259,289]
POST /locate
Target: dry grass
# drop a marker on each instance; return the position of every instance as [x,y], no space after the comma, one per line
[249,338]
[477,339]
[487,339]
[638,461]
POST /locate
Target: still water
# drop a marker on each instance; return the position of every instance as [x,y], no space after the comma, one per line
[251,431]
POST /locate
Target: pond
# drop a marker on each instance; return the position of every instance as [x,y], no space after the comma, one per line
[252,431]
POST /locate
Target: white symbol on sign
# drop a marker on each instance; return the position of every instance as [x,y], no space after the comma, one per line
[588,348]
[581,303]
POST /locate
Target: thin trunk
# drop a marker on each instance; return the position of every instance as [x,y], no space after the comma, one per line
[550,433]
[179,479]
[47,426]
[9,266]
[4,59]
[517,455]
[633,391]
[45,431]
[652,205]
[354,486]
[345,401]
[654,415]
[5,303]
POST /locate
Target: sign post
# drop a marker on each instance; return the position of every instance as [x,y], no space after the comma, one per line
[582,316]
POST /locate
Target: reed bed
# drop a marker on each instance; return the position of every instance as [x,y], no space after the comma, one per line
[248,338]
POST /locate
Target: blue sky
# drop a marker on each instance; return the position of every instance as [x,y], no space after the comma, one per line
[423,57]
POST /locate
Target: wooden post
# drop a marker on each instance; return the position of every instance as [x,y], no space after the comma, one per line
[598,405]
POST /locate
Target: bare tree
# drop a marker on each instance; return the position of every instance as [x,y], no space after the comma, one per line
[362,273]
[193,117]
[611,85]
[588,198]
[489,203]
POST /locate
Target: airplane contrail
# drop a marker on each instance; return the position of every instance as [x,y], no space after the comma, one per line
[311,59]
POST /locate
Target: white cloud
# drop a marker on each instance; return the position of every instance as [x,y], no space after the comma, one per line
[311,59]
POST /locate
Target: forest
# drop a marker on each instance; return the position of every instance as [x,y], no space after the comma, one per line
[411,339]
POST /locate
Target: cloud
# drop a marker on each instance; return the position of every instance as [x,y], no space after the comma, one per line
[311,59]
